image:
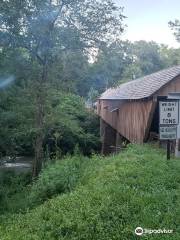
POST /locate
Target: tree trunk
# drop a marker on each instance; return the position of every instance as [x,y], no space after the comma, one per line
[39,123]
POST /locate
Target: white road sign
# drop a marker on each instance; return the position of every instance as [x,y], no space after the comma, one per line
[168,132]
[169,112]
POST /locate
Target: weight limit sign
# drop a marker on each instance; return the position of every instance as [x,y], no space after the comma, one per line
[169,113]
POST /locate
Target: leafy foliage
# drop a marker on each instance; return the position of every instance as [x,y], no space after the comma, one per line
[16,122]
[175,26]
[68,123]
[121,61]
[47,30]
[13,190]
[60,177]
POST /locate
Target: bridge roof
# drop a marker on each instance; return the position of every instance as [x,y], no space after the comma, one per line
[142,87]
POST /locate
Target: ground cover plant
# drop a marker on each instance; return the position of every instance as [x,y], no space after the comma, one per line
[112,196]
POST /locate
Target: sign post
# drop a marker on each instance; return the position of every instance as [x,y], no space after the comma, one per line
[176,95]
[168,121]
[168,149]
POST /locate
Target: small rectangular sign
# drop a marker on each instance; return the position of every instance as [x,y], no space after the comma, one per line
[168,132]
[169,112]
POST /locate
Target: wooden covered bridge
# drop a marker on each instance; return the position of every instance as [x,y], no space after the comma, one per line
[130,112]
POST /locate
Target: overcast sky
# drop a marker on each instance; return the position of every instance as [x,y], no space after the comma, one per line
[148,20]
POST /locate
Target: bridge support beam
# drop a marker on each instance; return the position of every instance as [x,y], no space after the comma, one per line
[119,142]
[108,138]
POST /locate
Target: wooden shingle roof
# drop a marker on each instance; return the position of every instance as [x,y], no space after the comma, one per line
[143,87]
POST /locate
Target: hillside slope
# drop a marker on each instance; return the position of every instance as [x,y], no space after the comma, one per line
[112,196]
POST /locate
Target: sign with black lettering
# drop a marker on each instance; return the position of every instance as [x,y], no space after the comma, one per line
[169,112]
[168,132]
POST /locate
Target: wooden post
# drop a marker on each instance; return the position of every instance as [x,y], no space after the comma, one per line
[108,137]
[102,134]
[177,148]
[118,142]
[168,150]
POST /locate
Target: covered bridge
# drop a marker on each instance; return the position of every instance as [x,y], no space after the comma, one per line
[130,111]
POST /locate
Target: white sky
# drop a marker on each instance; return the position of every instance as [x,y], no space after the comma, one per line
[148,20]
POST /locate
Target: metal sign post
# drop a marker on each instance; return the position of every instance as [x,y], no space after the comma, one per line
[168,150]
[168,121]
[176,95]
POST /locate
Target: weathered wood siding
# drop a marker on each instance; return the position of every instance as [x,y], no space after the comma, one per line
[133,120]
[173,86]
[130,121]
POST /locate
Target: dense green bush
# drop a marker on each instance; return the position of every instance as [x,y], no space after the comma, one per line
[59,177]
[114,195]
[13,189]
[67,123]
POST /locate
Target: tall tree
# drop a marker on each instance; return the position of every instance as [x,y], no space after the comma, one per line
[147,56]
[110,63]
[170,56]
[124,61]
[175,26]
[46,28]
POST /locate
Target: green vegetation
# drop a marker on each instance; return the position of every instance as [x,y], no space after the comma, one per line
[72,82]
[67,123]
[122,61]
[101,198]
[13,189]
[50,36]
[56,57]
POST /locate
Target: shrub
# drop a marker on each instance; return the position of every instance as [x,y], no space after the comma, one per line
[59,177]
[12,187]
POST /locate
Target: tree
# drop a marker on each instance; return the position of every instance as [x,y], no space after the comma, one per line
[69,71]
[175,26]
[46,28]
[70,123]
[170,56]
[110,63]
[120,62]
[92,97]
[123,61]
[147,56]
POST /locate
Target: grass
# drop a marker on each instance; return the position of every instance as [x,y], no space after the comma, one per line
[104,199]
